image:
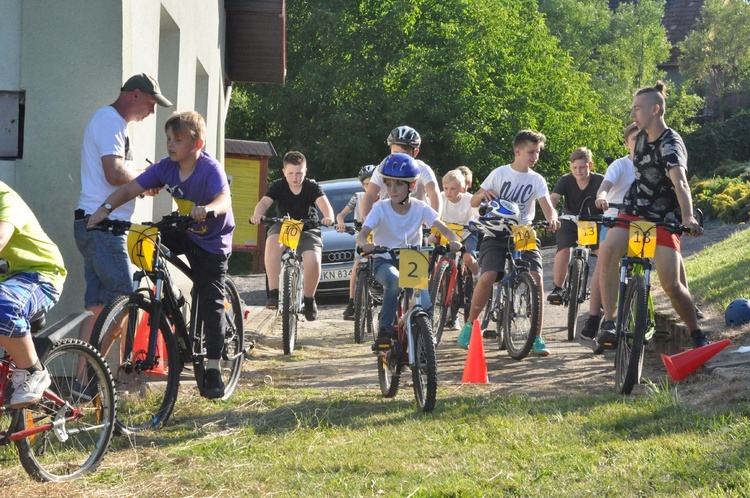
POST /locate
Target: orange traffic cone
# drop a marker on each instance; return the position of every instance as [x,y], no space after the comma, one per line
[683,364]
[140,343]
[475,371]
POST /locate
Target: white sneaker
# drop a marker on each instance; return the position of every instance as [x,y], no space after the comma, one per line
[28,388]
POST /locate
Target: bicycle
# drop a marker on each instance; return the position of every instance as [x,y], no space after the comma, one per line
[414,345]
[516,298]
[66,434]
[575,288]
[448,292]
[635,323]
[368,293]
[153,332]
[291,291]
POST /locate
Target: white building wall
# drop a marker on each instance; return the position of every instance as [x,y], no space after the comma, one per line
[74,56]
[10,65]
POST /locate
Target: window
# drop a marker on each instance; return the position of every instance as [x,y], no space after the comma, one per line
[11,124]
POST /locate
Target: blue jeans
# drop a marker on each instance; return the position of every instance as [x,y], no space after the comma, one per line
[387,275]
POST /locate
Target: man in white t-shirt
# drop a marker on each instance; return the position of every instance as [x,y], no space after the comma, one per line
[106,163]
[405,140]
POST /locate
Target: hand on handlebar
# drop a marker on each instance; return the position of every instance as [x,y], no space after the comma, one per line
[553,225]
[368,247]
[601,204]
[99,215]
[199,213]
[454,246]
[326,221]
[257,219]
[694,226]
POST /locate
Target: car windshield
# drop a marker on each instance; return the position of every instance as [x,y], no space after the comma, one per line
[339,197]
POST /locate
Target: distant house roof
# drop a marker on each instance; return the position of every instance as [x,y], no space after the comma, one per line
[256,40]
[679,18]
[249,148]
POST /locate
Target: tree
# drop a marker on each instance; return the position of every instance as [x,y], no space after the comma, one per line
[467,74]
[716,54]
[619,49]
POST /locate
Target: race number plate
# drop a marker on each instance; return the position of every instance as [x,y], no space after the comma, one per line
[587,233]
[413,269]
[291,230]
[642,243]
[524,237]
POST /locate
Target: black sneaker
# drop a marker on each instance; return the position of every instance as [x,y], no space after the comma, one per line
[607,338]
[311,309]
[699,314]
[213,386]
[349,311]
[590,327]
[699,338]
[489,334]
[273,299]
[383,342]
[556,296]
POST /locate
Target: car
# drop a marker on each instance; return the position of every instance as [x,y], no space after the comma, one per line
[338,248]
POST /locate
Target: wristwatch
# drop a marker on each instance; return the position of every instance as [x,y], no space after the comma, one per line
[107,206]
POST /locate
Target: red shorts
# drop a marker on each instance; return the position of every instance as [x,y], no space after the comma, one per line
[664,237]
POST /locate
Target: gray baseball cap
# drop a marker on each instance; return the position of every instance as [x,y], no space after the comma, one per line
[146,83]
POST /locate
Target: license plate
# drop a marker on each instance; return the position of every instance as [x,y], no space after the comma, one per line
[336,274]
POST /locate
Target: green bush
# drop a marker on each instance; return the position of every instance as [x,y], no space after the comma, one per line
[712,146]
[727,199]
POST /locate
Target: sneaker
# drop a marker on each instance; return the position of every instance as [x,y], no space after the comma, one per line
[556,296]
[539,348]
[311,309]
[273,299]
[464,337]
[213,386]
[607,337]
[383,342]
[349,311]
[451,324]
[28,387]
[590,327]
[699,313]
[81,393]
[699,338]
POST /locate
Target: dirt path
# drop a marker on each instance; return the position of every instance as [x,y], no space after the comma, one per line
[327,358]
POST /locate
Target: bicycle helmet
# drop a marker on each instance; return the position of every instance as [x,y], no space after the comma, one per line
[738,312]
[366,172]
[404,135]
[496,216]
[399,166]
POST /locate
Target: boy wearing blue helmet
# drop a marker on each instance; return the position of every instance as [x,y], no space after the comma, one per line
[517,183]
[394,223]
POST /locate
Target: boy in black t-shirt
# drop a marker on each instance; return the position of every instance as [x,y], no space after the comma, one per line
[297,197]
[578,188]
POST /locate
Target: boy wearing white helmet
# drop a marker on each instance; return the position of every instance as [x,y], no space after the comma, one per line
[517,183]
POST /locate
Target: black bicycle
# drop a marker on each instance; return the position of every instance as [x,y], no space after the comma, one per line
[154,332]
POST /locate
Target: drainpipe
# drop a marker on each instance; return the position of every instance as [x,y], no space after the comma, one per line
[227,99]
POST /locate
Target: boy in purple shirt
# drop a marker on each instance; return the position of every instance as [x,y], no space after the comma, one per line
[198,184]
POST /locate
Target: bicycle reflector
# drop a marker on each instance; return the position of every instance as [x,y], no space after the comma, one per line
[142,246]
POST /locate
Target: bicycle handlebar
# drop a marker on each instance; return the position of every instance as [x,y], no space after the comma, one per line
[171,221]
[308,222]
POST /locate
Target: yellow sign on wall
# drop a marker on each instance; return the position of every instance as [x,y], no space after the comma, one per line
[244,181]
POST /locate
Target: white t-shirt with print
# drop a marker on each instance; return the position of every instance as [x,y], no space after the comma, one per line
[522,188]
[426,175]
[391,229]
[622,174]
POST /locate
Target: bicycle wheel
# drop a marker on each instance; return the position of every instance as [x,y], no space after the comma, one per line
[521,317]
[575,280]
[389,371]
[146,394]
[424,373]
[234,339]
[440,299]
[363,304]
[468,293]
[630,340]
[289,310]
[79,430]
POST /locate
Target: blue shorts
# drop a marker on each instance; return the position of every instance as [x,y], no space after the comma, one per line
[106,266]
[471,242]
[23,296]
